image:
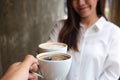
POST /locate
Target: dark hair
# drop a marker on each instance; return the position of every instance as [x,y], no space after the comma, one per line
[70,31]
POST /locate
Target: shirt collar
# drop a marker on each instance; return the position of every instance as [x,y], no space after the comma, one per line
[99,24]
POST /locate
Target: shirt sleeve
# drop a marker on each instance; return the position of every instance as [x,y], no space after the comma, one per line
[55,31]
[112,65]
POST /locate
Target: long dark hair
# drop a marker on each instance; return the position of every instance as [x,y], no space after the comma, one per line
[70,31]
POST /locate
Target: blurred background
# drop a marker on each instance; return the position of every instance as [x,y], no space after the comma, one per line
[24,24]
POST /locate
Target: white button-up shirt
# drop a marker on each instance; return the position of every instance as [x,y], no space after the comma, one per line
[99,52]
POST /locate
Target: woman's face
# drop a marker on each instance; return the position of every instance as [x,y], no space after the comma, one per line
[85,8]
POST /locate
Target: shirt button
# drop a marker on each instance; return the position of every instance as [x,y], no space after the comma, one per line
[76,77]
[95,29]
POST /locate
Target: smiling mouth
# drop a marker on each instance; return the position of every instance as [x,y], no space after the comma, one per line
[82,8]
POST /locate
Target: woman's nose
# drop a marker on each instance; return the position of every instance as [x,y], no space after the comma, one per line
[81,2]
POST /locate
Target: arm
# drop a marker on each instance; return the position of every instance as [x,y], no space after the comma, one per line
[112,65]
[53,37]
[20,70]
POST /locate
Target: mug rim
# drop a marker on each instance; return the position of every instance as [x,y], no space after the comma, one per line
[44,53]
[64,45]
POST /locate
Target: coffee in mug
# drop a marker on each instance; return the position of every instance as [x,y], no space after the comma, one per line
[52,46]
[54,57]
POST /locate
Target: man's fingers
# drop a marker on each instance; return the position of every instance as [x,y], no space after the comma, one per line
[29,61]
[33,67]
[32,77]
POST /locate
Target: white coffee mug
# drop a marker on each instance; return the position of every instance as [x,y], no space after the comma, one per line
[52,46]
[54,69]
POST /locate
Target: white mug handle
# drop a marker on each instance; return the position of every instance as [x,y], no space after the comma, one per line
[39,73]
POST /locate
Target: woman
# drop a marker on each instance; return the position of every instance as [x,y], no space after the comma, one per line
[93,42]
